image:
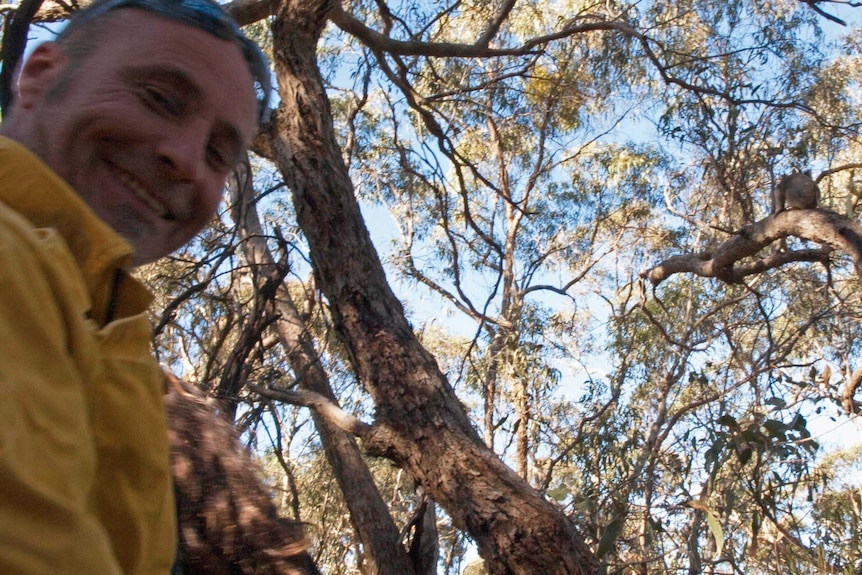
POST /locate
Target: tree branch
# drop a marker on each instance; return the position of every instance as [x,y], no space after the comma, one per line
[813,5]
[377,41]
[319,403]
[848,401]
[14,44]
[818,225]
[494,27]
[243,11]
[247,12]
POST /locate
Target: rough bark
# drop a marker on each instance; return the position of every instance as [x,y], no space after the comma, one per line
[383,552]
[228,525]
[420,424]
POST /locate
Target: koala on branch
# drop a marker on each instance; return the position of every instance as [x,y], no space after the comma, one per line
[796,191]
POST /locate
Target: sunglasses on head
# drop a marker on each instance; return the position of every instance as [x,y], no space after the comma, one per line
[205,15]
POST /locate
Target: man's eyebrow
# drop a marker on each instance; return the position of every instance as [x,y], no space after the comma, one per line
[176,77]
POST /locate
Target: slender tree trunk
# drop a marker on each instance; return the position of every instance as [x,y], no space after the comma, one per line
[490,389]
[384,554]
[420,423]
[424,539]
[522,408]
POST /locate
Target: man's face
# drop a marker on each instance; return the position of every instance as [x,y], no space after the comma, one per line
[145,128]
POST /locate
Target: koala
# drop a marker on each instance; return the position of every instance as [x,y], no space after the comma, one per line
[796,191]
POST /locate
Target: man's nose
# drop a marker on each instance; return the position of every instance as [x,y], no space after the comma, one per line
[183,153]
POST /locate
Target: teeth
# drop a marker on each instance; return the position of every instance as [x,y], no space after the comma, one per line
[142,194]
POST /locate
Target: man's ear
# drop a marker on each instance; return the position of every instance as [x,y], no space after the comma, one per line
[40,71]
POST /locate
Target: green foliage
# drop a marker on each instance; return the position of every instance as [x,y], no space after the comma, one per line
[524,193]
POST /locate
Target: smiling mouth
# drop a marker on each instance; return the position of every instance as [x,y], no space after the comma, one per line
[142,193]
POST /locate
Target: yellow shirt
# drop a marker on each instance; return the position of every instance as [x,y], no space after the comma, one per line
[85,485]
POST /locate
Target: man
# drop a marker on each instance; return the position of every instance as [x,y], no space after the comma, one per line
[114,154]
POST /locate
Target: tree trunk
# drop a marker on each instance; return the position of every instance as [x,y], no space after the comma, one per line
[384,554]
[490,387]
[420,423]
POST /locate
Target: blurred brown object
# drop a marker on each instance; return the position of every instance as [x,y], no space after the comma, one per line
[796,191]
[228,524]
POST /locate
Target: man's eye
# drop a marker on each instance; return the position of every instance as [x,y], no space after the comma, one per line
[161,101]
[217,157]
